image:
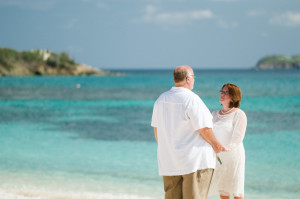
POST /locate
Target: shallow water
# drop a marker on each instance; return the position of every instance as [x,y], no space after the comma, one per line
[57,141]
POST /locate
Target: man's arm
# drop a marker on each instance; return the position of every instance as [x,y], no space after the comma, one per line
[209,136]
[155,133]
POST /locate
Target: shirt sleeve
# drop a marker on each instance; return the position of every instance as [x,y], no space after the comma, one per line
[199,115]
[239,130]
[154,122]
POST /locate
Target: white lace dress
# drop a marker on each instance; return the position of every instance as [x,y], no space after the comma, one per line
[228,178]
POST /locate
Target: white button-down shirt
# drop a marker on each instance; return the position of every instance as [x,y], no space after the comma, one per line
[178,114]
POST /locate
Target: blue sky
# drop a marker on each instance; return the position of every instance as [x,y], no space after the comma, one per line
[138,34]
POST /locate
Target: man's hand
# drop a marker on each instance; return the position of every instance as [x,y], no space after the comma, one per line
[219,148]
[209,136]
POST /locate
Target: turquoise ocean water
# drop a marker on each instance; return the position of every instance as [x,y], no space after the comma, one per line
[59,141]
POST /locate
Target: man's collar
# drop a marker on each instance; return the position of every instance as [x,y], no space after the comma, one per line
[178,88]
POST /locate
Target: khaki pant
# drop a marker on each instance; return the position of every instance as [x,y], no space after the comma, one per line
[190,186]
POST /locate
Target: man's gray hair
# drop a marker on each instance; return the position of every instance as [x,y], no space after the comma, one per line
[180,74]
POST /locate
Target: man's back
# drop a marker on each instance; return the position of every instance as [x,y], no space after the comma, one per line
[178,114]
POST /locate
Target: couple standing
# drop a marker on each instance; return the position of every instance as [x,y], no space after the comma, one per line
[189,137]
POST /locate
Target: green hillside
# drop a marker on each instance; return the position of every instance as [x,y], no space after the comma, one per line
[41,62]
[279,62]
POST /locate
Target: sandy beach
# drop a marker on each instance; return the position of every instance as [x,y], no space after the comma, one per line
[47,194]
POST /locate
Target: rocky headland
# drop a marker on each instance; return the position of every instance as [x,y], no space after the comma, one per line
[43,63]
[278,62]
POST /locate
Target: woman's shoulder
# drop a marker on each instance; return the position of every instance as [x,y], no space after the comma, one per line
[214,113]
[241,114]
[240,111]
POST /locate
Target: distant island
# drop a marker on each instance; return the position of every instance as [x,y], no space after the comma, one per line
[279,62]
[42,63]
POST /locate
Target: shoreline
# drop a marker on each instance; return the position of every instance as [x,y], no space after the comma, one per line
[48,194]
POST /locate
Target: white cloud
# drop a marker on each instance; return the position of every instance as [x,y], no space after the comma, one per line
[155,15]
[290,19]
[149,13]
[225,24]
[264,34]
[150,9]
[29,4]
[101,5]
[152,15]
[255,13]
[225,0]
[154,1]
[182,17]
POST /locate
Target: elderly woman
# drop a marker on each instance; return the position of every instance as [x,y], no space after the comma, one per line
[229,127]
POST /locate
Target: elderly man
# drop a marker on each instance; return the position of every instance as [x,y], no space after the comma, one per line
[187,146]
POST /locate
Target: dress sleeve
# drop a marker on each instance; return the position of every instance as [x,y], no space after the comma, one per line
[214,113]
[239,130]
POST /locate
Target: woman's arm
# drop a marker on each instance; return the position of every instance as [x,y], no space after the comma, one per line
[239,130]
